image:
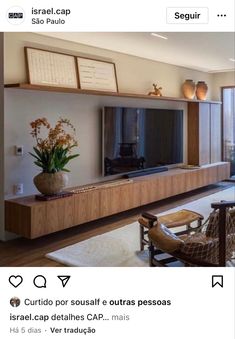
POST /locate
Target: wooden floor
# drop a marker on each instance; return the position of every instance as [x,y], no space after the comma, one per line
[24,252]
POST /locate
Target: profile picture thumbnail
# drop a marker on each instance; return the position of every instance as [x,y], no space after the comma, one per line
[15,302]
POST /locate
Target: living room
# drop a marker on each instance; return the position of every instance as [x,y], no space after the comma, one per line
[140,60]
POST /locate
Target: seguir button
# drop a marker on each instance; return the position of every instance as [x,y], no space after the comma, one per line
[185,15]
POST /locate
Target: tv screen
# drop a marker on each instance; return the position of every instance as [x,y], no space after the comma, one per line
[138,138]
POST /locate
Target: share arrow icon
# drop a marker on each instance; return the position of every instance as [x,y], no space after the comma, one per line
[64,279]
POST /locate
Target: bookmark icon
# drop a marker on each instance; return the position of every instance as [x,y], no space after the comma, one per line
[64,279]
[217,280]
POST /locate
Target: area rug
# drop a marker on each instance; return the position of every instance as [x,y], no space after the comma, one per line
[120,248]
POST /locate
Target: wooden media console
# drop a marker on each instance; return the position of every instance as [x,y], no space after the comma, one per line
[31,218]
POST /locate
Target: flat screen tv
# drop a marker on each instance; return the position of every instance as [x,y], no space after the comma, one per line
[139,138]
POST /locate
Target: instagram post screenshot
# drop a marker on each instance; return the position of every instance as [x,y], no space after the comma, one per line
[117,169]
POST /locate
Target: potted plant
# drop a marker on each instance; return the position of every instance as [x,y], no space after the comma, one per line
[52,153]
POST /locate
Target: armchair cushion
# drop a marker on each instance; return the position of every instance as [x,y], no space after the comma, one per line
[164,239]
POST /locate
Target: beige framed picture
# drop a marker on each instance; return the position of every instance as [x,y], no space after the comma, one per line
[48,68]
[97,75]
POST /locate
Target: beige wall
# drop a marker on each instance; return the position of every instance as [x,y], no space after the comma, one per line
[84,111]
[222,79]
[134,75]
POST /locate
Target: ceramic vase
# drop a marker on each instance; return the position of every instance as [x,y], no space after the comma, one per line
[188,89]
[50,183]
[201,90]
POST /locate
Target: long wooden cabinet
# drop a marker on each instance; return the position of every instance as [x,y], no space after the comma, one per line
[204,133]
[31,218]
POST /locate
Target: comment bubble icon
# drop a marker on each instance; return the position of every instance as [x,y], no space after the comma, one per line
[40,281]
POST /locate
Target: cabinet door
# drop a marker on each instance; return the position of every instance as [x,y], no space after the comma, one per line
[86,207]
[198,133]
[117,199]
[193,133]
[215,133]
[204,133]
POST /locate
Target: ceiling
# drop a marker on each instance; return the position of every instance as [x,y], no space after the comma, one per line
[208,52]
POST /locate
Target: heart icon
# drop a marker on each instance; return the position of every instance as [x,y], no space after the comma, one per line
[15,280]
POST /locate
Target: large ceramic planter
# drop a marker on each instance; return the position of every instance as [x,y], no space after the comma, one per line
[50,183]
[201,90]
[188,89]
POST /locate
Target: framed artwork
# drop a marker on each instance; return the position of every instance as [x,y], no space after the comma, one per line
[97,75]
[48,68]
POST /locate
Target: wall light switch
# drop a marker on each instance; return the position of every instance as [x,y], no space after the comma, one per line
[18,189]
[19,150]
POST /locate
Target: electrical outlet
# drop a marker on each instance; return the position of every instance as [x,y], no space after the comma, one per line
[19,150]
[18,189]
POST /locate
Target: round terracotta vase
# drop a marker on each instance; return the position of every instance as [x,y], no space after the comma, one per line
[201,90]
[50,183]
[188,89]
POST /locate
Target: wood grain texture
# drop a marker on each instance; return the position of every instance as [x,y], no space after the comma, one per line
[32,219]
[86,207]
[26,252]
[193,133]
[204,133]
[18,218]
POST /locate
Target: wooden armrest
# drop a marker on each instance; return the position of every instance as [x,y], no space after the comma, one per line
[147,220]
[149,216]
[223,204]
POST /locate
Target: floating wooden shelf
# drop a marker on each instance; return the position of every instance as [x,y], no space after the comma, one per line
[100,93]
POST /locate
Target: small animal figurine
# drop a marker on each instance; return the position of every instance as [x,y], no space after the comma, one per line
[157,91]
